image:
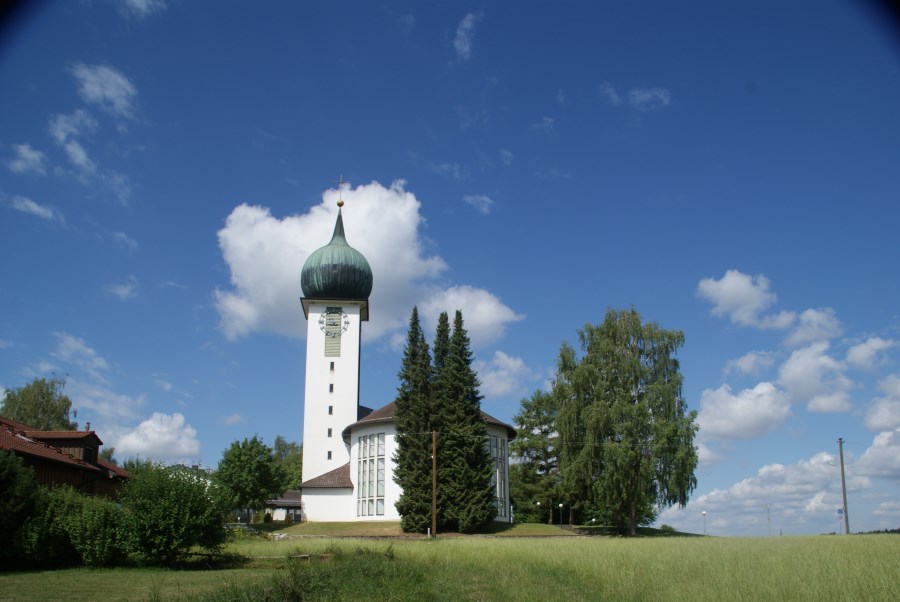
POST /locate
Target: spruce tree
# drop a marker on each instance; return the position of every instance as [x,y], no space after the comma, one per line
[413,418]
[464,463]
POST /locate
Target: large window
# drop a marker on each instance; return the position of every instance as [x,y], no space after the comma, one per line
[370,476]
[497,447]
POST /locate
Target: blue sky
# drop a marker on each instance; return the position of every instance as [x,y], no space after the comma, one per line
[729,169]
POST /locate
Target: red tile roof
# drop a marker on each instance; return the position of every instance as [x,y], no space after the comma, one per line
[18,442]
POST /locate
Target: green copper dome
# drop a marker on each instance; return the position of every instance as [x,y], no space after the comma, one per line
[337,270]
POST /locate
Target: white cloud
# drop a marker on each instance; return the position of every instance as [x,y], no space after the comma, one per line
[749,414]
[868,354]
[27,160]
[26,205]
[810,376]
[4,344]
[465,34]
[814,325]
[448,169]
[163,384]
[706,455]
[125,241]
[141,8]
[649,99]
[882,458]
[265,256]
[470,117]
[105,403]
[504,375]
[233,419]
[742,298]
[887,509]
[561,96]
[75,351]
[107,88]
[799,497]
[751,363]
[506,157]
[884,412]
[481,202]
[161,437]
[609,91]
[484,316]
[65,128]
[125,290]
[544,124]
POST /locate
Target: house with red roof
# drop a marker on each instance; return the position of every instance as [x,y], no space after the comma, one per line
[63,458]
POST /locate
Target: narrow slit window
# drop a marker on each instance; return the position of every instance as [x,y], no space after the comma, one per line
[329,432]
[330,410]
[329,455]
[331,387]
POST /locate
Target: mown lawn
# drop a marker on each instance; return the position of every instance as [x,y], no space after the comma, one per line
[860,567]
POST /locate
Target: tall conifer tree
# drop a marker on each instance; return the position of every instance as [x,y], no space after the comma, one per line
[464,464]
[414,420]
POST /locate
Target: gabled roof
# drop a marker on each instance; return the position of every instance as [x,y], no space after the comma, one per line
[18,442]
[339,478]
[385,414]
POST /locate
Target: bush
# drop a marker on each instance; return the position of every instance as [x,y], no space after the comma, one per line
[94,532]
[16,504]
[45,536]
[167,511]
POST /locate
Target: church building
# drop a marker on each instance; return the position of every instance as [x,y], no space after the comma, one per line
[348,449]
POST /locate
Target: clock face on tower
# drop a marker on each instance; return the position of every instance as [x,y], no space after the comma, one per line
[334,322]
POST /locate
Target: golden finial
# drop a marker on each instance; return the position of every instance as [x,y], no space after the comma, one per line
[340,184]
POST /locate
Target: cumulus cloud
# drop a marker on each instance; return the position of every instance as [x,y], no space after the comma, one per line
[26,205]
[743,298]
[882,458]
[890,509]
[869,354]
[812,377]
[106,88]
[485,317]
[27,159]
[799,497]
[125,290]
[465,35]
[814,325]
[751,363]
[884,412]
[481,202]
[161,437]
[75,351]
[750,413]
[265,255]
[108,407]
[649,99]
[504,375]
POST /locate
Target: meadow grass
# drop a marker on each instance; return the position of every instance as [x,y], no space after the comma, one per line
[860,567]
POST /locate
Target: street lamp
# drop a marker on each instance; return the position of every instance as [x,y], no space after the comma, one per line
[560,515]
[704,521]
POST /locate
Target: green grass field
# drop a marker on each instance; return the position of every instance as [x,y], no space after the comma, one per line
[860,567]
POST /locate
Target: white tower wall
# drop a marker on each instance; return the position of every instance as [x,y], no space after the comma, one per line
[331,394]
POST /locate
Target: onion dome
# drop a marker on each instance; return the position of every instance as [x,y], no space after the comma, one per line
[337,270]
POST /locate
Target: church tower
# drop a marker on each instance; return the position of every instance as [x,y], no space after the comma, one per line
[336,281]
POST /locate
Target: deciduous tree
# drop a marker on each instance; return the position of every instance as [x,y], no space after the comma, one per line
[249,475]
[626,436]
[41,404]
[290,456]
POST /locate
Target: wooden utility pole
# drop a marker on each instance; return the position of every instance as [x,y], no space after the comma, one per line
[843,486]
[434,483]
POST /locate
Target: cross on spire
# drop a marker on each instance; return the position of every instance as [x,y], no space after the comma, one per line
[340,182]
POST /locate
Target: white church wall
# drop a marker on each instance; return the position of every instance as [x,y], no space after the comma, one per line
[326,504]
[360,509]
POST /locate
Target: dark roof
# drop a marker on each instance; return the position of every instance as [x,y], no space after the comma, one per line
[386,414]
[18,442]
[289,499]
[338,478]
